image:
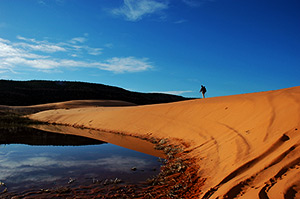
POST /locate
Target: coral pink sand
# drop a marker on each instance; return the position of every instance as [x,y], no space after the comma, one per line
[247,146]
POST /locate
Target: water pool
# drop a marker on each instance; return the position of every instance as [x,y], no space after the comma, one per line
[39,166]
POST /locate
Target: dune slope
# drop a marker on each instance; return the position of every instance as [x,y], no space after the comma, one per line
[65,105]
[247,146]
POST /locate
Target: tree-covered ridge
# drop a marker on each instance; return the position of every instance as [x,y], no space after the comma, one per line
[23,93]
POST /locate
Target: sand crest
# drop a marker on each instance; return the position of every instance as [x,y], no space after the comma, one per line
[247,146]
[66,105]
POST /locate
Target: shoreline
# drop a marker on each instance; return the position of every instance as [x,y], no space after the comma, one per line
[178,178]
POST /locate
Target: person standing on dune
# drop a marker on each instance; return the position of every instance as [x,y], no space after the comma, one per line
[203,91]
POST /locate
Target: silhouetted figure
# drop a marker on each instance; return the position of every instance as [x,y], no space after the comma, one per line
[203,91]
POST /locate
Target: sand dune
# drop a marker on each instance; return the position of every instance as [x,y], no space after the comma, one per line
[247,146]
[66,105]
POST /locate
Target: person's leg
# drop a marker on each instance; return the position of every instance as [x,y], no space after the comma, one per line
[203,95]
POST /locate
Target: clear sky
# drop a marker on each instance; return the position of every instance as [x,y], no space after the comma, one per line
[174,46]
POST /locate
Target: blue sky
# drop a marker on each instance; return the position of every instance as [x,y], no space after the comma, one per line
[172,46]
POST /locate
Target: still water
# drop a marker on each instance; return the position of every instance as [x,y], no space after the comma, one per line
[24,167]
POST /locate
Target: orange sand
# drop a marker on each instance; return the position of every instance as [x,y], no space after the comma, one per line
[66,105]
[247,146]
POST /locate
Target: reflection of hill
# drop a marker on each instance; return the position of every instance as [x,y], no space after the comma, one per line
[24,93]
[24,135]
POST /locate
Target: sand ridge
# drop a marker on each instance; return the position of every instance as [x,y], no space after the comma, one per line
[247,146]
[66,105]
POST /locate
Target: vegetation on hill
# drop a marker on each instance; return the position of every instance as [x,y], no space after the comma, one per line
[24,93]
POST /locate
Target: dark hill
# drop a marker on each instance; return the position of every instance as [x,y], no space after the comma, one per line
[24,93]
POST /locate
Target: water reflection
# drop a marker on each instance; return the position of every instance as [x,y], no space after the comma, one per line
[38,166]
[33,136]
[117,139]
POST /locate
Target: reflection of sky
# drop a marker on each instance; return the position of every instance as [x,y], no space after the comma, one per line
[23,164]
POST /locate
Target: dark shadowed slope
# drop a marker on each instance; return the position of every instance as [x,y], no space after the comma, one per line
[24,93]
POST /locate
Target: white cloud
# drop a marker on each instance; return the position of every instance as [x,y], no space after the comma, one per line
[75,43]
[134,10]
[16,55]
[7,50]
[33,63]
[28,39]
[76,40]
[93,51]
[42,47]
[4,41]
[180,21]
[126,64]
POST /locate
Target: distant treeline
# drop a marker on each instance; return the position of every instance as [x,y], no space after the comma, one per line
[24,93]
